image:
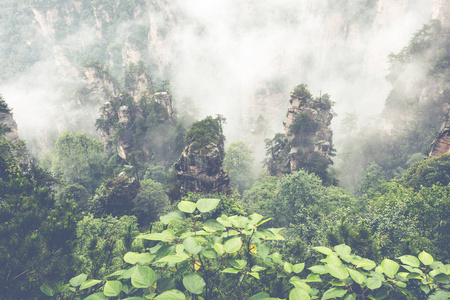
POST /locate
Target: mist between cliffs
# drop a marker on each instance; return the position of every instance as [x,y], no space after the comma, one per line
[239,59]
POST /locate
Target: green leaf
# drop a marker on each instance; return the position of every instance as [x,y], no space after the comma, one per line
[338,272]
[194,283]
[382,294]
[254,274]
[224,220]
[276,257]
[440,295]
[78,280]
[298,268]
[238,264]
[134,258]
[442,278]
[143,277]
[299,283]
[373,283]
[357,276]
[96,296]
[319,269]
[426,258]
[259,296]
[165,236]
[64,287]
[174,216]
[192,245]
[350,297]
[366,264]
[262,250]
[334,293]
[206,205]
[213,225]
[254,218]
[313,278]
[324,250]
[171,295]
[209,253]
[298,293]
[233,245]
[333,260]
[231,271]
[187,206]
[390,267]
[47,290]
[410,260]
[165,284]
[112,288]
[176,258]
[89,283]
[425,288]
[257,268]
[342,249]
[128,273]
[288,267]
[219,248]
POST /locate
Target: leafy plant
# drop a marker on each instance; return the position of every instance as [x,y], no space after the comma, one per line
[230,258]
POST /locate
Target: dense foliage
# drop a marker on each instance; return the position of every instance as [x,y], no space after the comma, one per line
[202,133]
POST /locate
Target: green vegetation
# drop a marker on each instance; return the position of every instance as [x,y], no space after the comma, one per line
[202,133]
[92,225]
[230,257]
[301,147]
[301,92]
[238,163]
[78,159]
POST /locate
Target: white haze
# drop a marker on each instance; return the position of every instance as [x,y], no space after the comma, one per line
[220,52]
[223,50]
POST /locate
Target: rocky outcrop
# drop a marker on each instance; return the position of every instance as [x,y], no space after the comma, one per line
[120,115]
[441,12]
[98,85]
[441,145]
[11,133]
[310,135]
[165,100]
[200,171]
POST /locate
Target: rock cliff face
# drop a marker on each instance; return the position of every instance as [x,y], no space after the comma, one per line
[12,134]
[441,145]
[121,116]
[98,86]
[200,171]
[307,129]
[304,143]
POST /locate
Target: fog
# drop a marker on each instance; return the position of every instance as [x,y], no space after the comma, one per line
[221,53]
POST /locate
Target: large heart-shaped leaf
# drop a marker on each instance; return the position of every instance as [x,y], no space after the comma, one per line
[78,280]
[192,245]
[194,283]
[173,217]
[143,277]
[187,206]
[333,293]
[233,245]
[171,295]
[112,288]
[390,267]
[206,205]
[426,258]
[298,293]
